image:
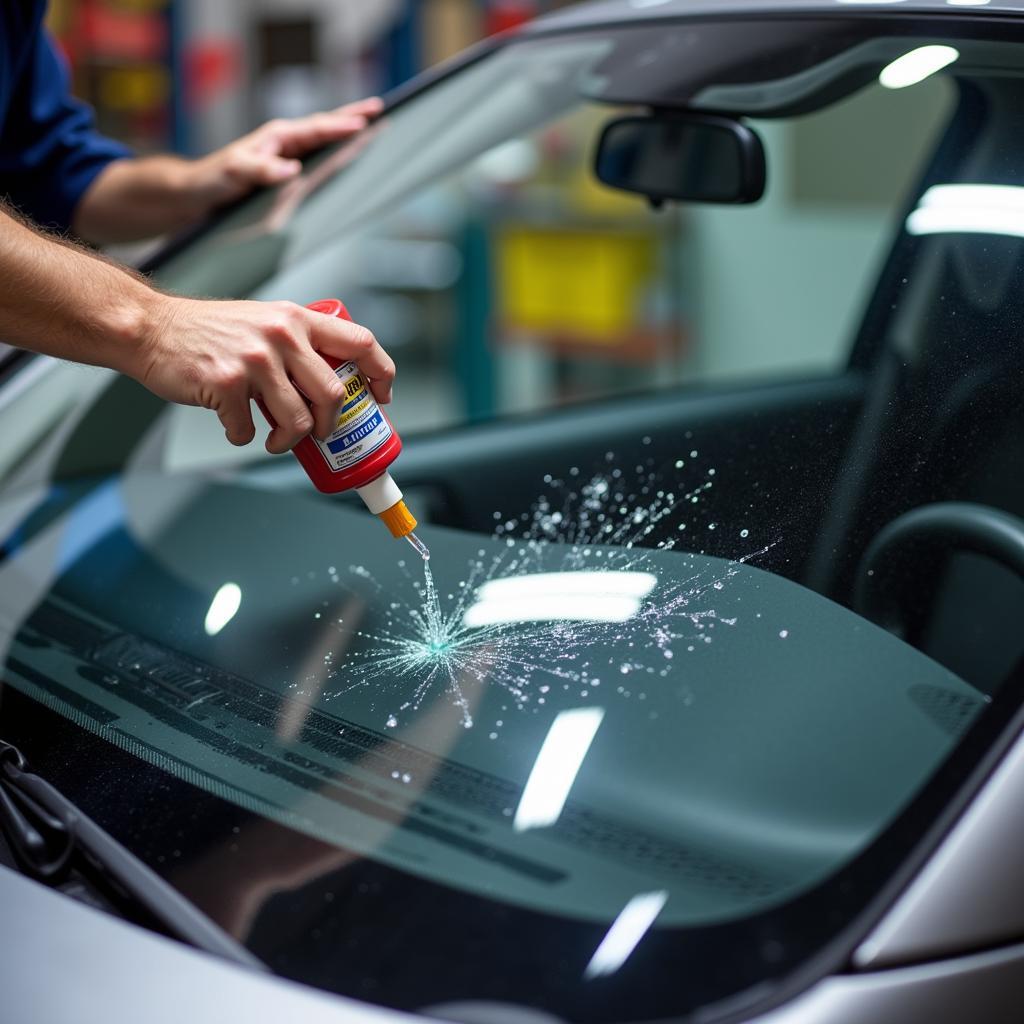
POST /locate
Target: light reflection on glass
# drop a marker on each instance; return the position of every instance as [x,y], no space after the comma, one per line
[329,643]
[223,608]
[917,65]
[558,763]
[969,209]
[560,596]
[625,934]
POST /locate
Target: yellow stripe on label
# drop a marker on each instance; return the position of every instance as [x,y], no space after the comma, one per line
[351,414]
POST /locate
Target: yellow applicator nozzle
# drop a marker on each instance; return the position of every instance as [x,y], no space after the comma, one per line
[401,522]
[398,519]
[384,500]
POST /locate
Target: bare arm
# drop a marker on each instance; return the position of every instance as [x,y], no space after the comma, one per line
[64,301]
[133,199]
[137,199]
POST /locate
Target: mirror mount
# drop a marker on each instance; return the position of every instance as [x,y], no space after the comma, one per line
[682,156]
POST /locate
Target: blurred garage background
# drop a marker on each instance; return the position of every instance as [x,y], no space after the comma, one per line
[515,286]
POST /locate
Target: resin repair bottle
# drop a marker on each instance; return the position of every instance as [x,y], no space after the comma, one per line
[357,453]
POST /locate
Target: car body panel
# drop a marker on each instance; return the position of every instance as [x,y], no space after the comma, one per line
[968,896]
[980,987]
[110,969]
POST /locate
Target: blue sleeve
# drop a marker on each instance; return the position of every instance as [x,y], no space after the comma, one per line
[50,151]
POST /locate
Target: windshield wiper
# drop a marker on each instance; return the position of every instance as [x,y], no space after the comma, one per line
[50,837]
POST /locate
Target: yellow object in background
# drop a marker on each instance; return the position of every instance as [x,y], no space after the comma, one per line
[143,6]
[449,26]
[575,284]
[134,89]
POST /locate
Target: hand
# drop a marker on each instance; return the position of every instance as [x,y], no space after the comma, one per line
[221,355]
[269,155]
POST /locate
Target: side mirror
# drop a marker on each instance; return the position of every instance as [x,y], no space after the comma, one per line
[700,158]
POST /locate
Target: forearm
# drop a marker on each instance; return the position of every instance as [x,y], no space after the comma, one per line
[141,198]
[63,301]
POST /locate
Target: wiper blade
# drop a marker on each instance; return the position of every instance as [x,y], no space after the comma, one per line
[49,835]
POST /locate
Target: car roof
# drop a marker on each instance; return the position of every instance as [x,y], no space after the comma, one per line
[615,12]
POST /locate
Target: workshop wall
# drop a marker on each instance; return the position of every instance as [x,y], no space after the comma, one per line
[190,75]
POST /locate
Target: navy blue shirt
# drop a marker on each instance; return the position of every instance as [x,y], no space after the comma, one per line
[50,151]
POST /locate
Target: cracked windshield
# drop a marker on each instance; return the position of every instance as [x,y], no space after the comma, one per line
[650,670]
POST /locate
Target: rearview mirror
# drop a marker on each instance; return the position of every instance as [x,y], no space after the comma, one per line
[700,158]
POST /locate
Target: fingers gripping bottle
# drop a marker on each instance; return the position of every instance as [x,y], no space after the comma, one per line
[357,453]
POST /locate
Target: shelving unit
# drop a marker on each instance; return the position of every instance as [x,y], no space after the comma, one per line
[124,61]
[187,75]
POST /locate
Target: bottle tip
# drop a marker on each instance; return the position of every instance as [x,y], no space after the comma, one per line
[399,520]
[421,549]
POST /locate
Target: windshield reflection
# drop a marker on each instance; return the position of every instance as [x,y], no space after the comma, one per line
[626,933]
[223,608]
[557,765]
[569,597]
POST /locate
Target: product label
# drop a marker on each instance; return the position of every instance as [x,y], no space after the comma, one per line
[361,428]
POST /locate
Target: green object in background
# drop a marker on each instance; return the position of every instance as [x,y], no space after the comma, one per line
[473,356]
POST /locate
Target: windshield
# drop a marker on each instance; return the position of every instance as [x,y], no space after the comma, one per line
[468,230]
[639,708]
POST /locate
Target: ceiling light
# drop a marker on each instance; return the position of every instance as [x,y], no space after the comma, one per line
[917,65]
